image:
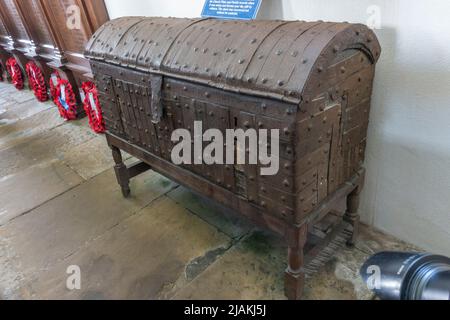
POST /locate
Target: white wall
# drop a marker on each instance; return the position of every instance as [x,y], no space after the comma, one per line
[407,191]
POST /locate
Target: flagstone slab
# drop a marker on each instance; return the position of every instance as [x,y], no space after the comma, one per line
[12,112]
[18,132]
[26,190]
[58,228]
[91,157]
[254,269]
[46,146]
[143,257]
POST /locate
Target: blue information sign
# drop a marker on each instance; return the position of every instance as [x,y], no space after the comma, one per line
[231,9]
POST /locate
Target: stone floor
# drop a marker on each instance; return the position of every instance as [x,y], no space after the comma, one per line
[60,206]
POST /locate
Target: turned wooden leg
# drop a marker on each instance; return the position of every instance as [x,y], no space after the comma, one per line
[352,216]
[121,171]
[295,276]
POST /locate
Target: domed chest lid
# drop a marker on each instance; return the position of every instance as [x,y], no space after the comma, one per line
[270,58]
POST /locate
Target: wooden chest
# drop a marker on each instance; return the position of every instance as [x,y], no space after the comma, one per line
[310,80]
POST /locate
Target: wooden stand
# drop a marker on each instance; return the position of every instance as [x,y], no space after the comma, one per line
[295,236]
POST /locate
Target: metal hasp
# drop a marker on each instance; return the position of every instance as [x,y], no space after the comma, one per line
[311,80]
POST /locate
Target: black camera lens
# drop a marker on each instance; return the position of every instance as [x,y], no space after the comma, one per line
[408,276]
